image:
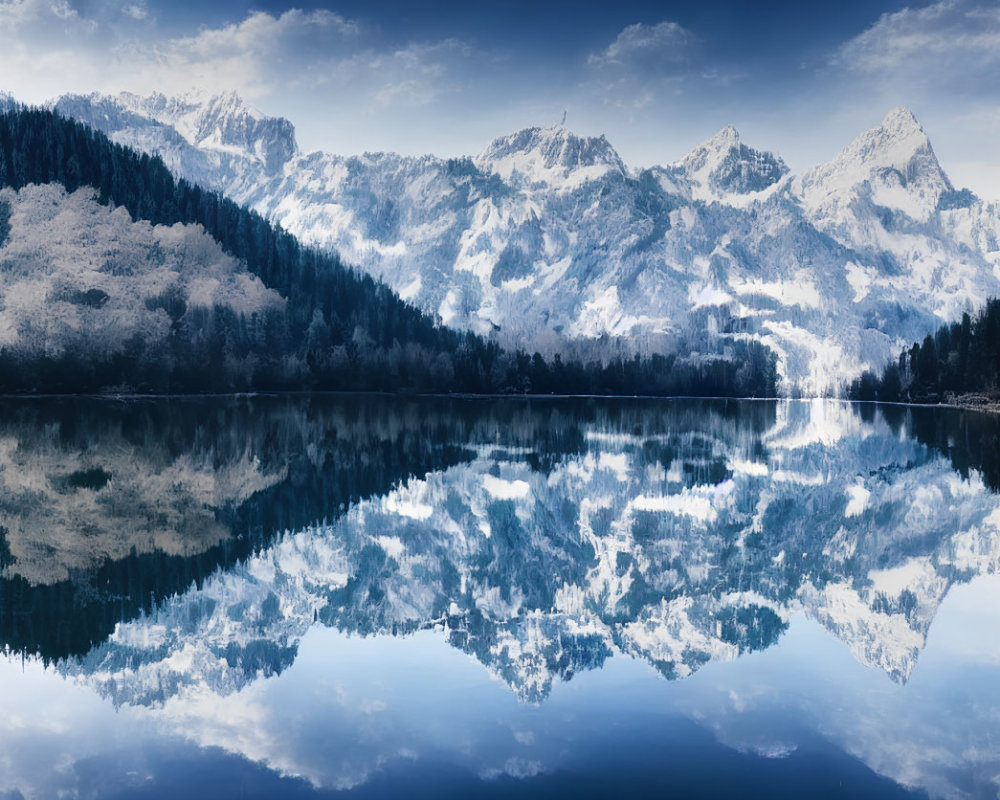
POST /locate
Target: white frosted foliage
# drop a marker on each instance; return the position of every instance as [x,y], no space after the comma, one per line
[75,273]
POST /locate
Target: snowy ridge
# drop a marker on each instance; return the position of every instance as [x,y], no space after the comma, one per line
[222,123]
[546,240]
[552,156]
[895,159]
[723,166]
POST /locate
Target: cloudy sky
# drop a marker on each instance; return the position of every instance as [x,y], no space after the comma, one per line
[446,76]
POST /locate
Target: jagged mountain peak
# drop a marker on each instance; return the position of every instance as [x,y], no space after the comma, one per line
[724,230]
[223,122]
[194,102]
[901,118]
[713,148]
[895,141]
[544,154]
[723,165]
[725,139]
[894,160]
[195,99]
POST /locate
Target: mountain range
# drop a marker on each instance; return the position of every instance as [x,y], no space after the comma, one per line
[548,241]
[116,276]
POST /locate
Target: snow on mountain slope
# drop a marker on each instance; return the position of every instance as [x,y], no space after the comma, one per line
[547,239]
[77,275]
[213,139]
[886,197]
[893,165]
[723,166]
[550,156]
[978,230]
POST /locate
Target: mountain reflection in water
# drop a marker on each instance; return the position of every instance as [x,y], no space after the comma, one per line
[168,558]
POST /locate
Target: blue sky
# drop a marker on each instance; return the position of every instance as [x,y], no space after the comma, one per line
[445,77]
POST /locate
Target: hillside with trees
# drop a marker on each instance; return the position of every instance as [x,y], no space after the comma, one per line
[117,277]
[959,362]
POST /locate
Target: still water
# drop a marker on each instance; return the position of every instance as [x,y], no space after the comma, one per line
[374,597]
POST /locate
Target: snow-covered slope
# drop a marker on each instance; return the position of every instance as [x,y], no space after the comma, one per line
[893,165]
[723,167]
[547,238]
[549,156]
[213,138]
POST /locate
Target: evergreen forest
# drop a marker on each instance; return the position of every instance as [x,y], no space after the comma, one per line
[961,359]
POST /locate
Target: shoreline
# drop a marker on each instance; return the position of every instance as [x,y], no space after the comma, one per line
[967,402]
[973,402]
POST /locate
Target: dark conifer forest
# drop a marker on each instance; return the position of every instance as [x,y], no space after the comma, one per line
[341,330]
[960,359]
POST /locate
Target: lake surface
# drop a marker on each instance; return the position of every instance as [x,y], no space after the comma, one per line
[376,597]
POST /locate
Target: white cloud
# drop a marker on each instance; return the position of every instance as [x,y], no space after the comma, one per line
[954,41]
[255,56]
[311,59]
[653,50]
[40,43]
[136,10]
[20,16]
[647,66]
[414,75]
[262,34]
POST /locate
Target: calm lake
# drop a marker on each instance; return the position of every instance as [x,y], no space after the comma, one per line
[376,597]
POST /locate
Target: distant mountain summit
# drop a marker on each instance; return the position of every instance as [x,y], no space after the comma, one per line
[548,241]
[723,165]
[549,155]
[892,164]
[214,136]
[224,123]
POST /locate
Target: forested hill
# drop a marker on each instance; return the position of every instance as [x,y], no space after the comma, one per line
[189,292]
[961,359]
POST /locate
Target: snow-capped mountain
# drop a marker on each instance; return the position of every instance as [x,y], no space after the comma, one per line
[549,156]
[723,167]
[892,164]
[548,240]
[214,137]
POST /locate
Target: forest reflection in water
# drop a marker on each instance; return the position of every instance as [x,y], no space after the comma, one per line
[173,555]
